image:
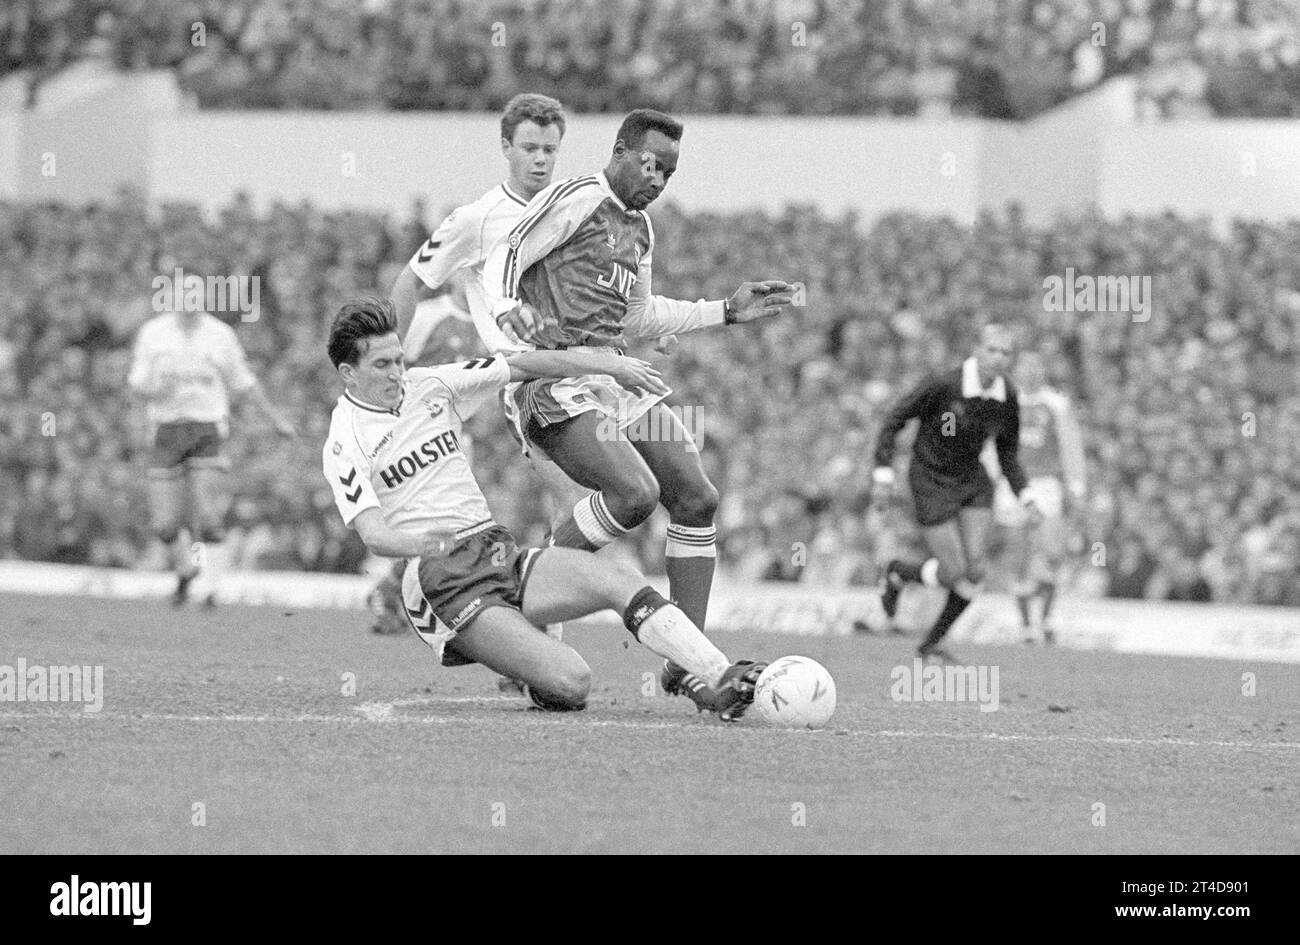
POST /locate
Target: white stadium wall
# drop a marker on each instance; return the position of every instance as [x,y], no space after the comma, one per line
[385,160]
[1091,152]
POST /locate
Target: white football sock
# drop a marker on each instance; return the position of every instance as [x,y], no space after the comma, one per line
[670,633]
[212,569]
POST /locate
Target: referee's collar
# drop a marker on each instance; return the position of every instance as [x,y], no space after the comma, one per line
[970,383]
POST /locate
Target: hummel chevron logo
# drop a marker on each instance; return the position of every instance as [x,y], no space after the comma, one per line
[426,251]
[347,481]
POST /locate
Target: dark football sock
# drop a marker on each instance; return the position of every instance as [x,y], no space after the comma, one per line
[689,582]
[1048,590]
[952,609]
[1022,602]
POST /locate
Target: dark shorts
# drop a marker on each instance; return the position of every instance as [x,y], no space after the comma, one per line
[938,500]
[484,570]
[186,444]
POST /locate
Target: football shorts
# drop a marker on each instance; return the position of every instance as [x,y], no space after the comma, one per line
[186,444]
[443,594]
[938,500]
[544,402]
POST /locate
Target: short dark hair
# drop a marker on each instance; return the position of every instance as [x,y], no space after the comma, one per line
[643,120]
[358,320]
[529,106]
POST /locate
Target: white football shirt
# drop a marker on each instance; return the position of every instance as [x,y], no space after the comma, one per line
[458,249]
[409,462]
[194,368]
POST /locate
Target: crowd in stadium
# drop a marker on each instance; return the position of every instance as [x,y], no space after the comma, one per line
[1010,59]
[1192,419]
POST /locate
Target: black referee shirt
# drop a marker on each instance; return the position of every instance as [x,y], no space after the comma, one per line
[954,428]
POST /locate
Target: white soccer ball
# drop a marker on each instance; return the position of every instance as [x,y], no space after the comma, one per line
[795,692]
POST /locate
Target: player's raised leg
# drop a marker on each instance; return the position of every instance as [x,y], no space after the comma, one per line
[625,491]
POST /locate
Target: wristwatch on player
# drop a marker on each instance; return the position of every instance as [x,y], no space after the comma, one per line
[728,313]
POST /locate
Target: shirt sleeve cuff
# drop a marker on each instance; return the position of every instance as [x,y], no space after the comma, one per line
[714,313]
[426,280]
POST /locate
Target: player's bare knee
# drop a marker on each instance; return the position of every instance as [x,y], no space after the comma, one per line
[633,502]
[571,684]
[694,505]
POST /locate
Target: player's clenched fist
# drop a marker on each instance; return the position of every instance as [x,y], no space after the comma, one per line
[755,300]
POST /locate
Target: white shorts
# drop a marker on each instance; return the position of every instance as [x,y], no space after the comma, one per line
[545,402]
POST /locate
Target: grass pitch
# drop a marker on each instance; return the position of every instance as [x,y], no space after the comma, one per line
[238,731]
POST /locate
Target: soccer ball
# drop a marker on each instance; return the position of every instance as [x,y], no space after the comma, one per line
[795,692]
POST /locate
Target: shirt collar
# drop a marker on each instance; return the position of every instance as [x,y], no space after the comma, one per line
[970,383]
[358,402]
[518,198]
[603,181]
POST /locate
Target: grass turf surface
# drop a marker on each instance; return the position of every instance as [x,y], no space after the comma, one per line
[242,710]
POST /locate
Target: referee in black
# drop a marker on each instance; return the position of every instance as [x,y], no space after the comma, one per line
[959,411]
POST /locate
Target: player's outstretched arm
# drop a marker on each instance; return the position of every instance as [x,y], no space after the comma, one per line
[632,373]
[654,316]
[754,300]
[388,542]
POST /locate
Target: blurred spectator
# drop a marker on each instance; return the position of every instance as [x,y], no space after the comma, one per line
[1005,60]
